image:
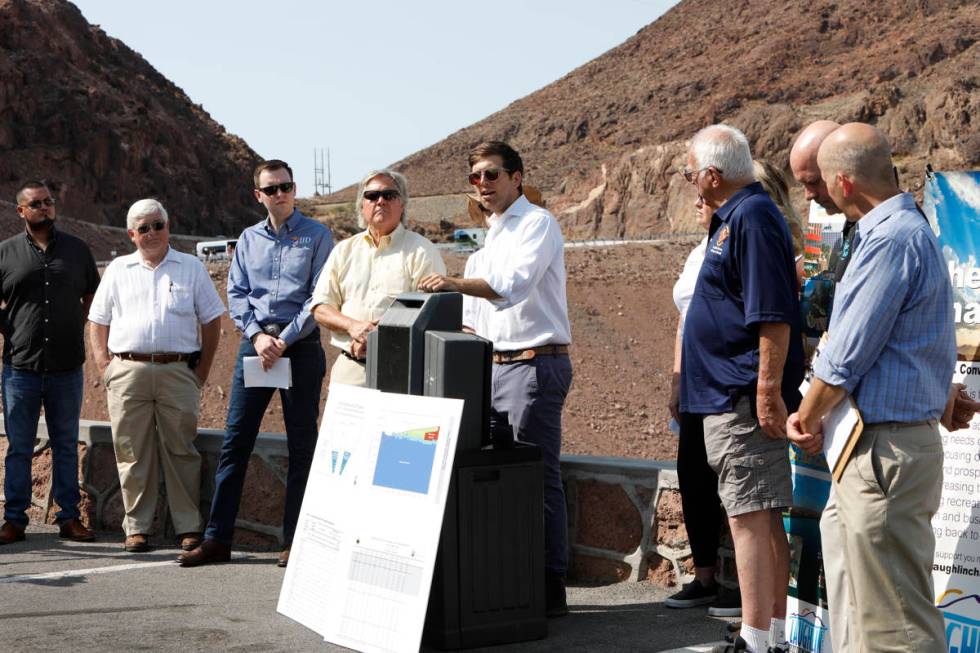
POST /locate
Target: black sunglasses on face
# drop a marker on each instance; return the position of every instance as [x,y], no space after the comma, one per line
[389,195]
[36,204]
[285,187]
[491,174]
[145,228]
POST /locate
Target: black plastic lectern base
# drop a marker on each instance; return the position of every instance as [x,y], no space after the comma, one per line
[488,585]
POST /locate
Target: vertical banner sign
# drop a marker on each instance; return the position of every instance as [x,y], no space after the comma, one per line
[952,204]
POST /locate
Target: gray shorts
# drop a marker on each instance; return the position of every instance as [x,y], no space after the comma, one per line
[753,469]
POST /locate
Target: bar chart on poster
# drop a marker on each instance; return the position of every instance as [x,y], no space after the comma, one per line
[362,560]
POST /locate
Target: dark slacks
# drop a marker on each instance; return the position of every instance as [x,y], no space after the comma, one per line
[300,407]
[699,492]
[532,394]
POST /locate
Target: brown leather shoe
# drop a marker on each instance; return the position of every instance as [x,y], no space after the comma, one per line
[189,541]
[210,551]
[283,558]
[74,530]
[11,532]
[136,543]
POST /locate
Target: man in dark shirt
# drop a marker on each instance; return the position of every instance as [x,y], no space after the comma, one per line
[742,363]
[47,280]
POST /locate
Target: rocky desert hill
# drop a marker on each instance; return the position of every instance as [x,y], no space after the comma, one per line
[603,141]
[85,112]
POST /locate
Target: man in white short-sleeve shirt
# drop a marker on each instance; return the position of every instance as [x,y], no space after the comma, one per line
[144,338]
[519,282]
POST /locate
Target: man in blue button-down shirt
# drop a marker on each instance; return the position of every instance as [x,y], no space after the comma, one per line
[891,347]
[270,287]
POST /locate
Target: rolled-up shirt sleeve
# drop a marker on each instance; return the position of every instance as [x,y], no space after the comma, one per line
[539,243]
[865,310]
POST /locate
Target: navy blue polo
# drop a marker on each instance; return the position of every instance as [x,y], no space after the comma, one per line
[748,277]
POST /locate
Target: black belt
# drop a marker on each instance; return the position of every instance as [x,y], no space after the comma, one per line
[351,356]
[528,354]
[163,358]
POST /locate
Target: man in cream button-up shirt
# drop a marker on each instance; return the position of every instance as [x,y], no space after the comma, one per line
[516,298]
[365,272]
[144,338]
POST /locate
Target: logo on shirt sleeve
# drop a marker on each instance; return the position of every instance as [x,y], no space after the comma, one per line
[718,247]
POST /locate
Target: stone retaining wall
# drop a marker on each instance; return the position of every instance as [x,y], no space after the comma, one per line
[625,519]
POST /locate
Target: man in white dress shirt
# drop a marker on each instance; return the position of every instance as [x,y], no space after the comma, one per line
[519,278]
[145,340]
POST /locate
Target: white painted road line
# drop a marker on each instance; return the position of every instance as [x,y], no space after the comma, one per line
[71,573]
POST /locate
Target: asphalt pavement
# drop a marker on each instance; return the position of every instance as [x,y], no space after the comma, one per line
[57,595]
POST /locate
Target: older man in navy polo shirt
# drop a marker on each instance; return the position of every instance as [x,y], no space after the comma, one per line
[742,364]
[270,294]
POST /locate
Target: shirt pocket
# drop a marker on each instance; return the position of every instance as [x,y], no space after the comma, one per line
[296,263]
[710,279]
[180,301]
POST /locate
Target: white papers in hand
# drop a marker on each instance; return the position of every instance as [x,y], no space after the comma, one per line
[280,375]
[838,425]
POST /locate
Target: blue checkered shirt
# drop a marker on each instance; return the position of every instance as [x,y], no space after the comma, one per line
[891,342]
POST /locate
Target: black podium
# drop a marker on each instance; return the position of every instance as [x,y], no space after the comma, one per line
[488,585]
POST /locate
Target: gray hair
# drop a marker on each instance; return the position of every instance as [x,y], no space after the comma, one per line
[144,209]
[725,148]
[400,183]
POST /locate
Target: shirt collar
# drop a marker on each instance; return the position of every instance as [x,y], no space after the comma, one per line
[742,194]
[519,207]
[30,241]
[388,240]
[291,223]
[877,215]
[136,258]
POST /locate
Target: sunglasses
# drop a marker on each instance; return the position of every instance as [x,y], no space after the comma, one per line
[285,187]
[145,228]
[36,204]
[691,175]
[388,194]
[491,174]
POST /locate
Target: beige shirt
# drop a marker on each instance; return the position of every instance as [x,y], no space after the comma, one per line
[361,280]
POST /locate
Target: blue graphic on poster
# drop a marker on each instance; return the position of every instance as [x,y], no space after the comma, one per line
[405,459]
[951,201]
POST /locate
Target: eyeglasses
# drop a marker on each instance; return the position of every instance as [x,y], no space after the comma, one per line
[491,174]
[285,187]
[145,228]
[691,175]
[388,194]
[36,204]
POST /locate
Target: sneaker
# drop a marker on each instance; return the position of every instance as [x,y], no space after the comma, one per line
[727,604]
[737,646]
[692,595]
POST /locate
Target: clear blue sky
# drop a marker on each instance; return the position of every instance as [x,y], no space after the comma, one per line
[374,82]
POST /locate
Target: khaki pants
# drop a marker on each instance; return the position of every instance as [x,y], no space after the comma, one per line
[348,372]
[154,409]
[838,600]
[886,499]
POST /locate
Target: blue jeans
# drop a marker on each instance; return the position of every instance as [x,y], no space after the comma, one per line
[300,408]
[532,394]
[24,393]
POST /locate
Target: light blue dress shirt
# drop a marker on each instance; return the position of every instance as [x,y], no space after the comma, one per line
[272,276]
[891,342]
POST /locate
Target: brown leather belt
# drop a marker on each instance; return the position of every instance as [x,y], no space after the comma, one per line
[153,358]
[528,354]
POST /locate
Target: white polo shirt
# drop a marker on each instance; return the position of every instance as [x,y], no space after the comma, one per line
[155,310]
[523,260]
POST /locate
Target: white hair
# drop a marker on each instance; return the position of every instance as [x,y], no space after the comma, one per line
[400,183]
[144,209]
[726,149]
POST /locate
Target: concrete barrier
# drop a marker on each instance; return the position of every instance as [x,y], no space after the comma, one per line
[625,518]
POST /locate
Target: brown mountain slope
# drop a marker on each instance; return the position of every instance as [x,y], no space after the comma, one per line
[87,113]
[601,140]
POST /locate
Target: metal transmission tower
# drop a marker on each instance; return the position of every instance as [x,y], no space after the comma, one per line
[321,173]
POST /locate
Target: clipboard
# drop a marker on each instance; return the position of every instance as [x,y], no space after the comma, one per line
[842,427]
